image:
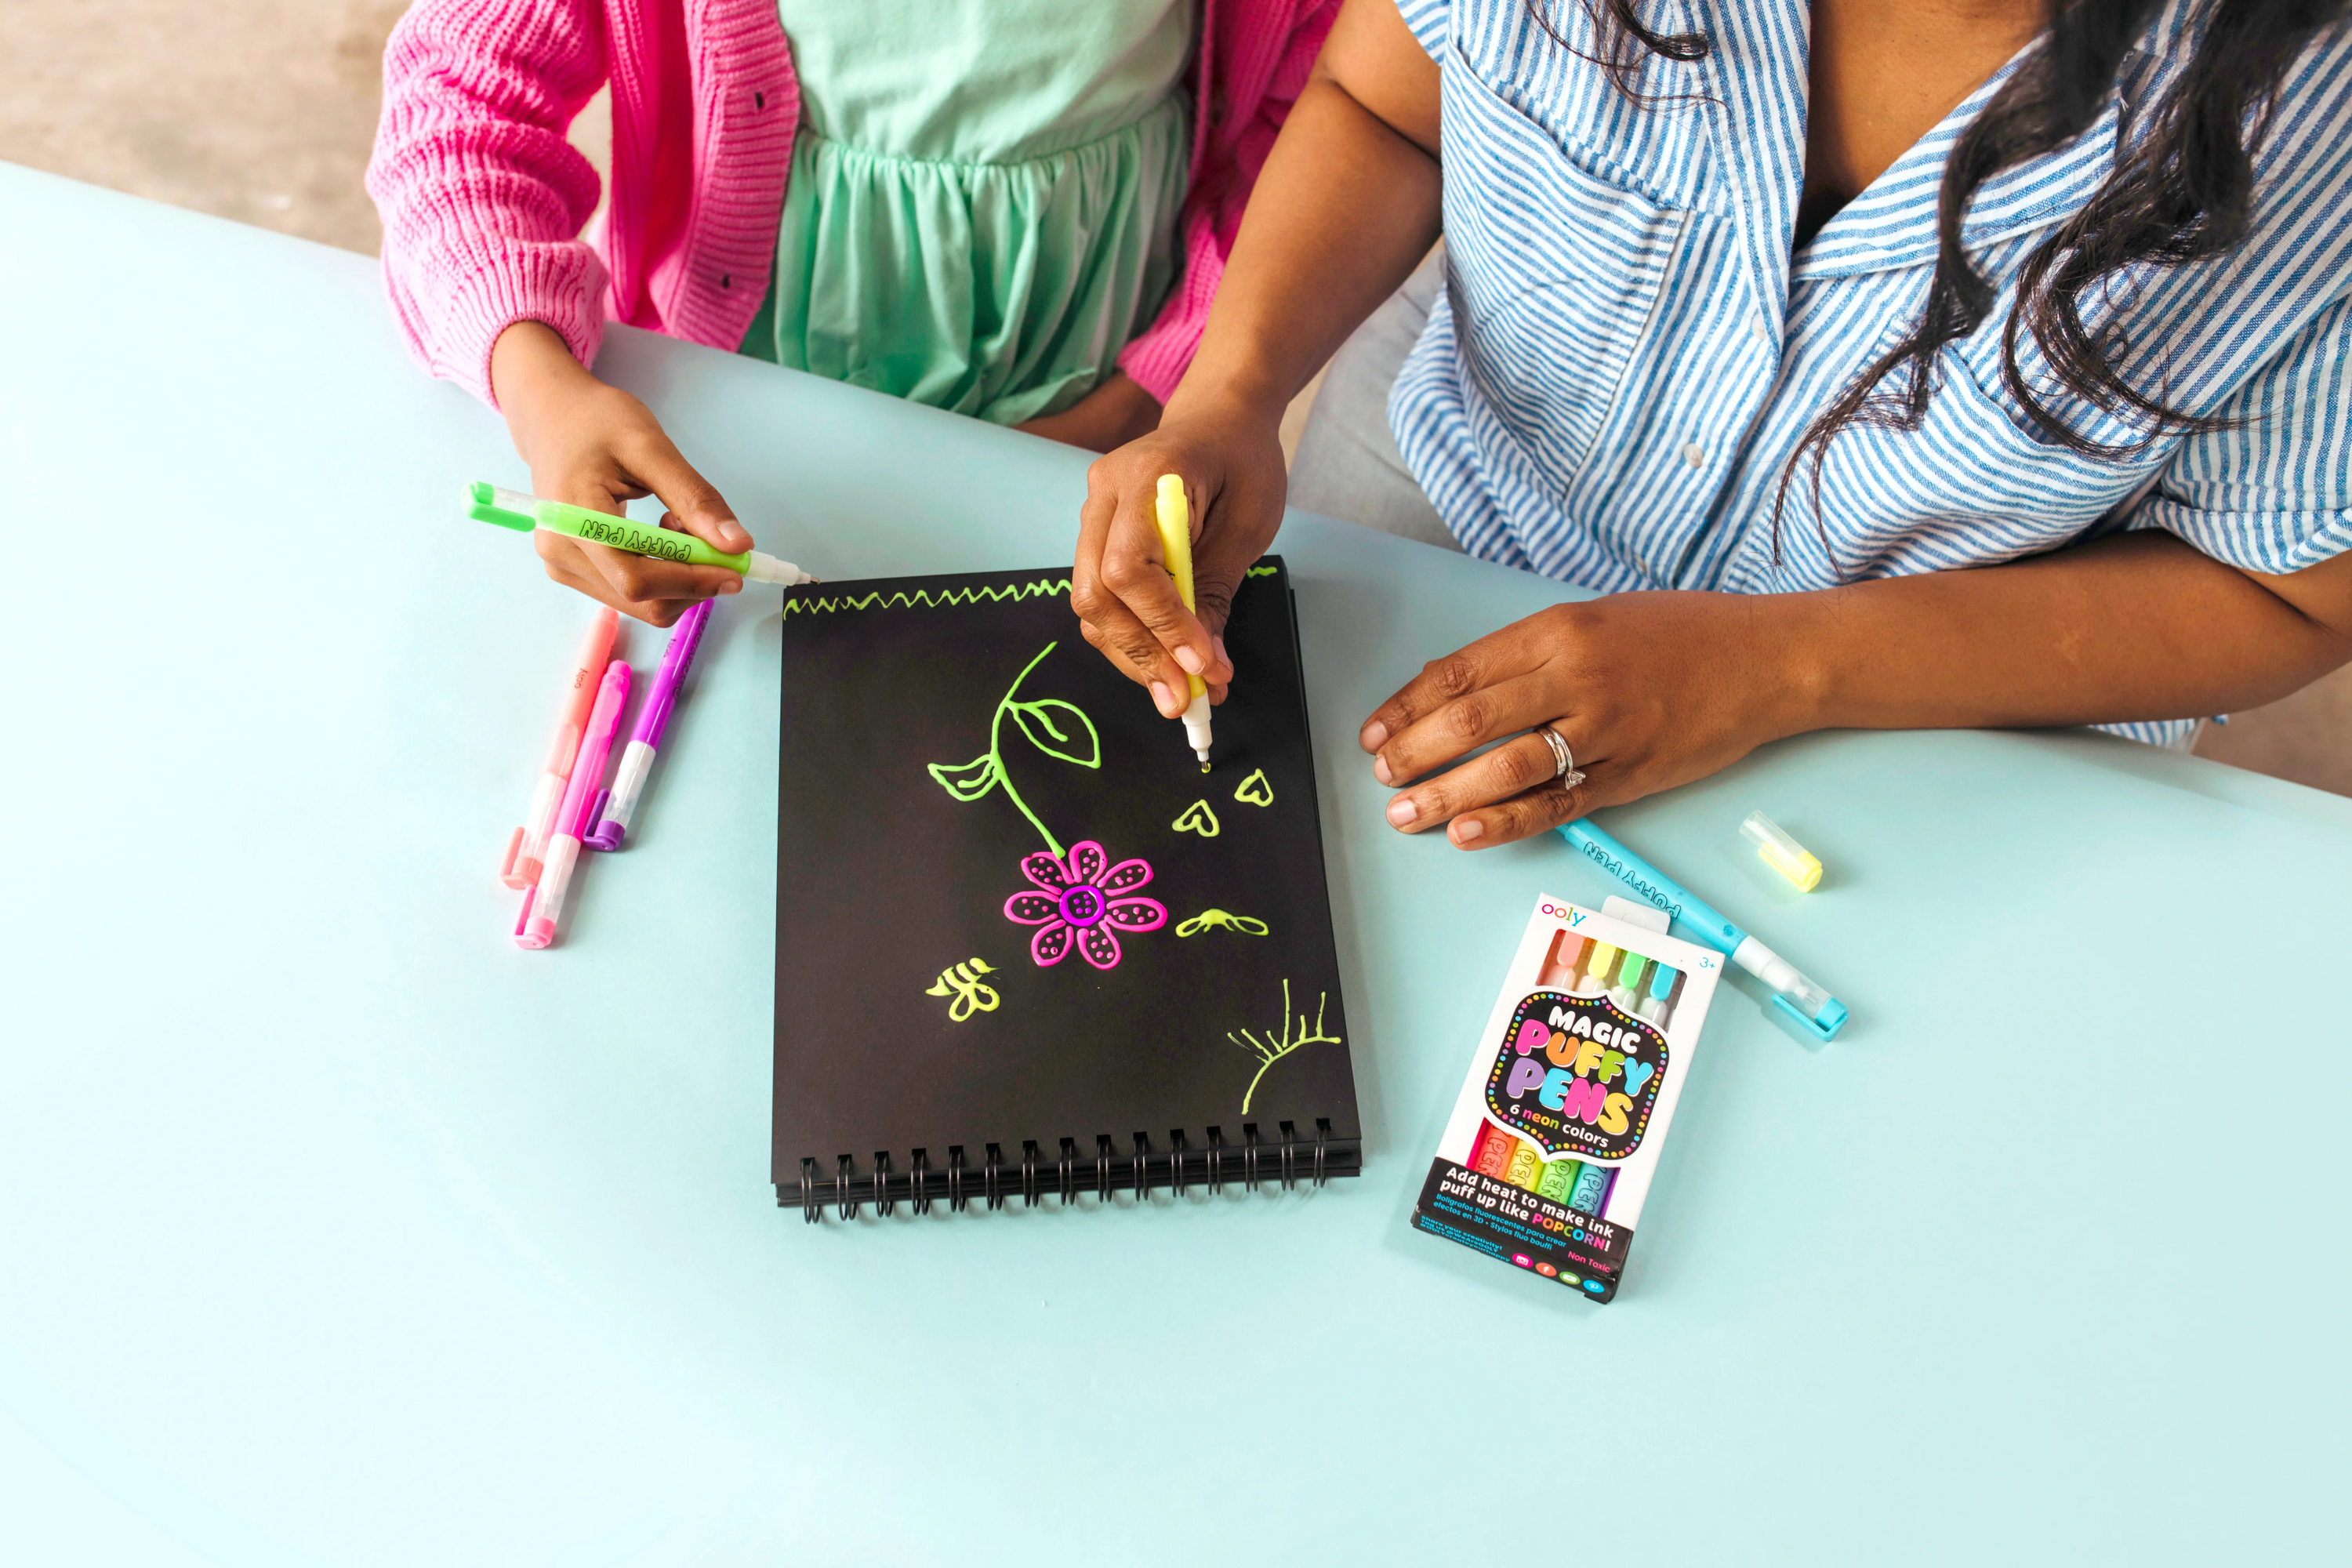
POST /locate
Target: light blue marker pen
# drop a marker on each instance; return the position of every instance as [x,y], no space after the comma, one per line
[1817,1012]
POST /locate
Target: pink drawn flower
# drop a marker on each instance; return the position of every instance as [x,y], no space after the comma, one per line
[1077,909]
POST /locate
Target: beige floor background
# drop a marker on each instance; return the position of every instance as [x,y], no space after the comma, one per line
[262,110]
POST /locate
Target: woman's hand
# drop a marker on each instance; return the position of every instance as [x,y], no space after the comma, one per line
[1230,456]
[1111,416]
[1649,690]
[595,446]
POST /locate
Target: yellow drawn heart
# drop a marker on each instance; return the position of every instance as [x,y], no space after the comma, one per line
[1254,790]
[1197,818]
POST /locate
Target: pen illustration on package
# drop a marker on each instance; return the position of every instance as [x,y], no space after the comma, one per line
[1548,1156]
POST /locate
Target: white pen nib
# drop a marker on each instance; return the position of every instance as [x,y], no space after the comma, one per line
[765,568]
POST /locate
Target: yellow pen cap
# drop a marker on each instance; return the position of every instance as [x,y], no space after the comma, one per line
[1782,853]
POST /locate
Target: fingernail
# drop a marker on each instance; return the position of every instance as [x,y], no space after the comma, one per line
[1165,700]
[1374,736]
[1466,829]
[1190,659]
[1402,811]
[1380,771]
[1222,658]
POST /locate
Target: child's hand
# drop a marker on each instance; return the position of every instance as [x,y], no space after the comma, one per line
[595,446]
[1231,461]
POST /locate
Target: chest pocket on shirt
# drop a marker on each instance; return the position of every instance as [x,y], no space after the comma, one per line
[1555,273]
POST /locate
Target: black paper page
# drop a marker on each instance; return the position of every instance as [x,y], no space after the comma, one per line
[925,722]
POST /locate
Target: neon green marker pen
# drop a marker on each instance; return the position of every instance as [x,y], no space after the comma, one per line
[513,509]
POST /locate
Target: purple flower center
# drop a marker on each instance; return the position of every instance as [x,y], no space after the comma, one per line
[1083,904]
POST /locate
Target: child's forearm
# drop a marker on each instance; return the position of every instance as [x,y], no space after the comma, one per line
[1347,205]
[526,358]
[2133,627]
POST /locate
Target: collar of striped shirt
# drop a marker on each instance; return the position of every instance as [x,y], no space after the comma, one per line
[1626,357]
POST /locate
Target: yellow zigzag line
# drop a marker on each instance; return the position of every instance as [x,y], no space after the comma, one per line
[899,599]
[924,598]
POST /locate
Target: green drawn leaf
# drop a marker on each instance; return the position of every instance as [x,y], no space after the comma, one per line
[1037,723]
[968,781]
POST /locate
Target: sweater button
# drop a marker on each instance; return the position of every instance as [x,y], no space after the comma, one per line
[726,280]
[759,100]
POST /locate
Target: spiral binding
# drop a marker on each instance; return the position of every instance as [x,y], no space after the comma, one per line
[1288,1156]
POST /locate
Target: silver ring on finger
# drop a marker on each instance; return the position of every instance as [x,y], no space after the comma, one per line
[1565,772]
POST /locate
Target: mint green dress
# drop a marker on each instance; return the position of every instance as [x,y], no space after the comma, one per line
[984,194]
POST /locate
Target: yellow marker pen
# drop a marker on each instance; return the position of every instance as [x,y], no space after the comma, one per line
[1175,517]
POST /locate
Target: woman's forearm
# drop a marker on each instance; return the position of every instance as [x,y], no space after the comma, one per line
[2132,626]
[1345,209]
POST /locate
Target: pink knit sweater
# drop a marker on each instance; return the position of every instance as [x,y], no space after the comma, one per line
[483,200]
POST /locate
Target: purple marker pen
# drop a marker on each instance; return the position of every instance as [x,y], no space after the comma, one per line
[615,806]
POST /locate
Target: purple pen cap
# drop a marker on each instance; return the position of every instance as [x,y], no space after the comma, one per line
[606,833]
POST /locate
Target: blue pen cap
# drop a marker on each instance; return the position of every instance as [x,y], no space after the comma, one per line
[1825,1026]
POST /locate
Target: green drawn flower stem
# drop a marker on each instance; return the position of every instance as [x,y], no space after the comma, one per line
[968,781]
[996,756]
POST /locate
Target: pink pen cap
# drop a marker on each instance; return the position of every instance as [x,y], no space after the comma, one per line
[527,847]
[538,926]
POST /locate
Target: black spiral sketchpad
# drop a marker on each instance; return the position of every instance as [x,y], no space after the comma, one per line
[1023,946]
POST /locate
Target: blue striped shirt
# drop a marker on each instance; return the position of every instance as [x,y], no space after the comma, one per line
[1626,354]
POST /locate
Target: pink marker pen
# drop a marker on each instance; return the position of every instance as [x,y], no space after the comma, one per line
[543,905]
[526,847]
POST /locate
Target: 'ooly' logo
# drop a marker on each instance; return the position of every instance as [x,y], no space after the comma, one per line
[1577,1075]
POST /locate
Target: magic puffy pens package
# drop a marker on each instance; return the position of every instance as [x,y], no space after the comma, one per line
[1550,1150]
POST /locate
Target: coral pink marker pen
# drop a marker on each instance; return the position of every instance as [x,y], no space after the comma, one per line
[543,906]
[527,847]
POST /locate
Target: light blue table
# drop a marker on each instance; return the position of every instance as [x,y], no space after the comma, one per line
[336,1230]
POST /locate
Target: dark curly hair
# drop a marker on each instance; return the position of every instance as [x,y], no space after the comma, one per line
[2183,192]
